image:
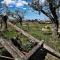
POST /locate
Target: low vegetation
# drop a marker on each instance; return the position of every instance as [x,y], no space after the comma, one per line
[26,45]
[35,29]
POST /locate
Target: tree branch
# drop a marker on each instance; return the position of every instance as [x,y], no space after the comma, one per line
[51,18]
[57,6]
[53,11]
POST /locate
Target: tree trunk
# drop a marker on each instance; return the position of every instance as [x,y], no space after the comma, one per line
[1,23]
[55,31]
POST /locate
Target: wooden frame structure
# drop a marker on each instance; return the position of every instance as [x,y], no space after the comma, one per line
[17,54]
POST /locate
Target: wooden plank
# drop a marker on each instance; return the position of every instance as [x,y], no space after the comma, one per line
[11,49]
[52,51]
[1,46]
[6,57]
[31,52]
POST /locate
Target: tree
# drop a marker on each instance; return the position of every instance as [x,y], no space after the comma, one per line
[4,15]
[49,8]
[19,13]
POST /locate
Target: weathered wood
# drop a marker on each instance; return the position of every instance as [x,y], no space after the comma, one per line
[31,52]
[1,46]
[11,49]
[34,39]
[15,52]
[6,57]
[52,51]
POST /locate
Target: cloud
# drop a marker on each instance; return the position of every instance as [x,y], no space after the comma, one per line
[8,2]
[24,2]
[42,1]
[21,3]
[17,3]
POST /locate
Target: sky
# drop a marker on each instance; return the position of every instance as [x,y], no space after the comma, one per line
[22,5]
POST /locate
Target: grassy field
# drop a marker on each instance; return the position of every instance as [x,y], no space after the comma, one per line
[11,33]
[35,29]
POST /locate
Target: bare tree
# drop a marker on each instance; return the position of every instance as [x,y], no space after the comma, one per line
[1,20]
[20,16]
[5,20]
[49,8]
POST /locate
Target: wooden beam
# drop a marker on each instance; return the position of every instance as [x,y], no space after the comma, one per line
[31,52]
[11,49]
[1,46]
[52,51]
[6,57]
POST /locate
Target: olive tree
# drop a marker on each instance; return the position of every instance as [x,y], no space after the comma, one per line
[50,9]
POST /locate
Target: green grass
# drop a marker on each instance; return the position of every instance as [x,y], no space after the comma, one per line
[35,30]
[10,33]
